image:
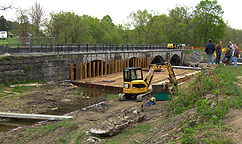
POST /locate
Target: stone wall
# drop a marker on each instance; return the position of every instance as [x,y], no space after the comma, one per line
[15,69]
[54,67]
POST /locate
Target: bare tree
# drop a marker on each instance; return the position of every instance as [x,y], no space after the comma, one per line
[23,21]
[37,16]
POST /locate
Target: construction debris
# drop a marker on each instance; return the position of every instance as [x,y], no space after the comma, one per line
[115,125]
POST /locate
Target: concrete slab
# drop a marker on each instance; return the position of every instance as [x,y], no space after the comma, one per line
[34,116]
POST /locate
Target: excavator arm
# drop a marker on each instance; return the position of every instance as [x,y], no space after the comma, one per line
[150,74]
[172,76]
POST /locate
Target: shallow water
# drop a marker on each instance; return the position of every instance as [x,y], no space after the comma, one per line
[88,96]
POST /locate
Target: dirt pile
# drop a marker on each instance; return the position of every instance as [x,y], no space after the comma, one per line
[117,123]
[193,59]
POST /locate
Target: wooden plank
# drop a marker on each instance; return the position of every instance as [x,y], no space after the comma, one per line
[139,62]
[75,71]
[142,63]
[133,60]
[101,68]
[90,69]
[116,66]
[70,72]
[98,68]
[93,69]
[34,116]
[122,65]
[85,70]
[136,62]
[125,62]
[112,68]
[80,71]
[148,61]
[145,59]
[106,67]
[119,65]
[109,67]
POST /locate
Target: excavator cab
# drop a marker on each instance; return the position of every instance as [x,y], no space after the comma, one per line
[132,73]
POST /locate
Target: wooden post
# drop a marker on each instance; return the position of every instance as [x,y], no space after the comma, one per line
[97,74]
[119,65]
[125,63]
[101,68]
[116,66]
[148,61]
[133,60]
[109,67]
[106,67]
[93,69]
[136,62]
[75,71]
[122,65]
[145,62]
[140,64]
[90,69]
[112,68]
[70,72]
[80,71]
[85,70]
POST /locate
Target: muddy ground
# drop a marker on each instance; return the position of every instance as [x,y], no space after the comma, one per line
[47,99]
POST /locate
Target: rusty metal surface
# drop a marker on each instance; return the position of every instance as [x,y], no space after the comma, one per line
[115,81]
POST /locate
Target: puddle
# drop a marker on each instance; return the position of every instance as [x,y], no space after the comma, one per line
[88,98]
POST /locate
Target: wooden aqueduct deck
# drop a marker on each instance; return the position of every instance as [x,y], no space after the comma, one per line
[109,75]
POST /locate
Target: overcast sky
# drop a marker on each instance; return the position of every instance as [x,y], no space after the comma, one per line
[119,10]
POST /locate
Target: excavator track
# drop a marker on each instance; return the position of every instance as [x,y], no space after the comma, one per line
[139,98]
[144,96]
[121,96]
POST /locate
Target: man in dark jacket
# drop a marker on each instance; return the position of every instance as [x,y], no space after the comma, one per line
[218,52]
[210,48]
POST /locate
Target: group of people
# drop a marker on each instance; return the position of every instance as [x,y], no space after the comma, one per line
[231,54]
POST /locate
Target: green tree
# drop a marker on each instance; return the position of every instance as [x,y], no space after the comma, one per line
[143,22]
[64,26]
[3,24]
[182,24]
[161,31]
[209,21]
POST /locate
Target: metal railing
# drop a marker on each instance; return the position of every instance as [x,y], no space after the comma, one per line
[76,48]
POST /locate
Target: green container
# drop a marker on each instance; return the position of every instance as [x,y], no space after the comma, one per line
[161,92]
[161,96]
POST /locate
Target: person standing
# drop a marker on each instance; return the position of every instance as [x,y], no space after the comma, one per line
[218,52]
[236,55]
[210,48]
[232,47]
[228,54]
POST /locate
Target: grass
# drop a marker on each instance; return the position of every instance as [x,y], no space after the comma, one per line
[112,96]
[17,89]
[11,41]
[219,82]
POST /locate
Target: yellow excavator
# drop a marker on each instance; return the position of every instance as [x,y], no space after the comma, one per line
[134,85]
